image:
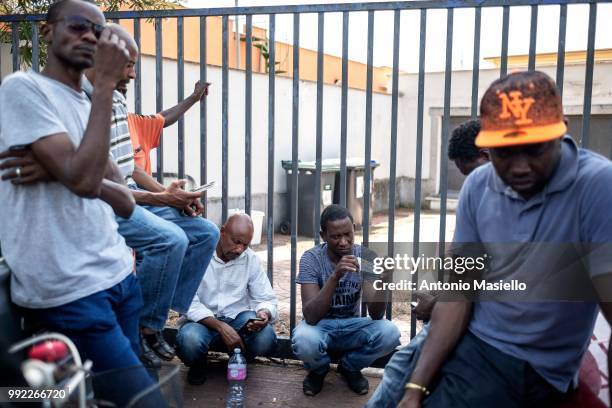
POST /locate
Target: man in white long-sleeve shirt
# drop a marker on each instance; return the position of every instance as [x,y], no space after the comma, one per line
[234,303]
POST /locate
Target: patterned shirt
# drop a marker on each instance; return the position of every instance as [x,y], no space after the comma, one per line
[120,143]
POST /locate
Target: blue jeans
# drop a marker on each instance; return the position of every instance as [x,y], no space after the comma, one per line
[361,341]
[398,370]
[104,328]
[194,339]
[172,254]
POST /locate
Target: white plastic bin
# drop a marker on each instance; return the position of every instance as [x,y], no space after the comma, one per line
[257,217]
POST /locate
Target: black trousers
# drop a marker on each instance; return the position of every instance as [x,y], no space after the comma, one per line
[477,375]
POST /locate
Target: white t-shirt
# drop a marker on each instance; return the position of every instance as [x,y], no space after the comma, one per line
[60,247]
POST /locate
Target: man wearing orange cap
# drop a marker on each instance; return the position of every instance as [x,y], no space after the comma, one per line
[540,210]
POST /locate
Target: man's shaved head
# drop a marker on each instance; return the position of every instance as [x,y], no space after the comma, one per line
[129,72]
[236,235]
[123,34]
[56,10]
[239,223]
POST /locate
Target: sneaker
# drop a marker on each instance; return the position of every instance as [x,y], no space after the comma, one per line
[313,383]
[196,375]
[355,380]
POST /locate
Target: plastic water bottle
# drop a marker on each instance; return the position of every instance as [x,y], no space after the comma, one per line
[236,376]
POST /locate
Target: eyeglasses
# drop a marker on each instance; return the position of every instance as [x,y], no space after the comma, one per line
[80,25]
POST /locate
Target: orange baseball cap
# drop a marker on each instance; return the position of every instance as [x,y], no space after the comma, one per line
[521,108]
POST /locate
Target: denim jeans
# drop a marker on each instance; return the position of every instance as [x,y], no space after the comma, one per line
[194,339]
[360,340]
[398,370]
[172,254]
[104,328]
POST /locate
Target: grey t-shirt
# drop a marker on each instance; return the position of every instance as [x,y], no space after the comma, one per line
[316,267]
[60,247]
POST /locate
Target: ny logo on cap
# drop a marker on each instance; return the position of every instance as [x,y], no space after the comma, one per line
[517,107]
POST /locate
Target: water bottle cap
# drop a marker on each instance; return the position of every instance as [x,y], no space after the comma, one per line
[236,351]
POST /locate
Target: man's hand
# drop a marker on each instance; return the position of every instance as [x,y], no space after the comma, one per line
[111,57]
[256,326]
[425,306]
[412,399]
[200,90]
[175,196]
[230,337]
[348,263]
[23,167]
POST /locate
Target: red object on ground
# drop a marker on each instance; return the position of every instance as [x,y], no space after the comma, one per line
[49,351]
[587,394]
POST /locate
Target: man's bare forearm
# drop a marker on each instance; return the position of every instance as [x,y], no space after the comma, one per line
[149,198]
[448,323]
[119,197]
[319,305]
[113,173]
[174,113]
[147,182]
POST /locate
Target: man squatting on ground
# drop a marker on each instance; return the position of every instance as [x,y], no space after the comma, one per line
[331,284]
[71,270]
[234,290]
[172,250]
[539,188]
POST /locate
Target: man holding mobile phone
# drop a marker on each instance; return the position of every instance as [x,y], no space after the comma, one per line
[233,306]
[332,286]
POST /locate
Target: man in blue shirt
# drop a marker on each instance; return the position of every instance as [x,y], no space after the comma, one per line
[332,281]
[539,192]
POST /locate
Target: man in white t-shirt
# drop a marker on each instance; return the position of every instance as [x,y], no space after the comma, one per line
[71,270]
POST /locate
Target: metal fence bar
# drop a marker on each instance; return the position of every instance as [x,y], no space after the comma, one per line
[247,113]
[180,50]
[224,123]
[159,93]
[365,221]
[561,47]
[533,35]
[367,182]
[476,63]
[343,107]
[314,8]
[445,131]
[35,47]
[330,8]
[504,47]
[393,147]
[588,78]
[138,68]
[15,45]
[294,160]
[416,237]
[203,115]
[271,111]
[319,134]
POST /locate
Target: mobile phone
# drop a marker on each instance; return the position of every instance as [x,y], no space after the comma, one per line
[203,187]
[255,319]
